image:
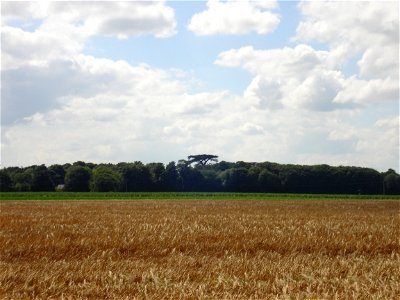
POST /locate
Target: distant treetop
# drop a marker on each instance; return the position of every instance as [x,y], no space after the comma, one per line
[202,159]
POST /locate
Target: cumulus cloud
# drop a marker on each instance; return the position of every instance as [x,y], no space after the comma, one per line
[235,17]
[252,129]
[373,31]
[297,78]
[279,63]
[380,61]
[64,105]
[300,106]
[120,19]
[111,125]
[264,94]
[21,48]
[302,77]
[26,11]
[43,66]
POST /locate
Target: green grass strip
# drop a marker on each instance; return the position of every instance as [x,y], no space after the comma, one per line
[179,195]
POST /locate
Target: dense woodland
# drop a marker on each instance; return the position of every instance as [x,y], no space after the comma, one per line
[200,173]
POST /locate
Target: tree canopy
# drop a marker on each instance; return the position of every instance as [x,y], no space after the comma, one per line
[77,178]
[202,159]
[105,179]
[198,174]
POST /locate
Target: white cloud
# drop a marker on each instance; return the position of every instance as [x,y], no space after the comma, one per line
[380,61]
[318,91]
[120,19]
[64,27]
[264,94]
[25,11]
[298,78]
[65,106]
[235,17]
[252,129]
[22,48]
[336,23]
[374,91]
[356,27]
[129,18]
[280,64]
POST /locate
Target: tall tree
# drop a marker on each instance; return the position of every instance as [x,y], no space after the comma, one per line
[77,179]
[391,183]
[235,180]
[57,174]
[156,172]
[170,177]
[190,179]
[5,182]
[105,179]
[202,159]
[268,181]
[22,181]
[136,177]
[41,181]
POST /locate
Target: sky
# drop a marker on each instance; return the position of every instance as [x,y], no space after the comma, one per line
[313,82]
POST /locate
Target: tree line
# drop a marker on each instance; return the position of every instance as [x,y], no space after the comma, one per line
[200,173]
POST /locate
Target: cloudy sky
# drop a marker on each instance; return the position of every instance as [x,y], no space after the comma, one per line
[288,82]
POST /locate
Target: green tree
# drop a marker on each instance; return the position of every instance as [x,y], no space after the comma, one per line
[77,179]
[210,182]
[190,179]
[5,182]
[202,159]
[235,180]
[136,177]
[156,172]
[105,179]
[170,177]
[41,181]
[22,181]
[57,174]
[391,183]
[268,181]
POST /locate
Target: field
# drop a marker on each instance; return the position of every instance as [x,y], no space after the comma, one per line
[207,249]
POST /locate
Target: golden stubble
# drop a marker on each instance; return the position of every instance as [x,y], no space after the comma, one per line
[190,249]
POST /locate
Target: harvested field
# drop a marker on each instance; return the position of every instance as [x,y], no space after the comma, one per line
[166,249]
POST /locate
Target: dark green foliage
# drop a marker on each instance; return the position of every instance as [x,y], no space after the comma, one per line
[5,182]
[22,181]
[105,179]
[225,176]
[235,180]
[77,179]
[201,159]
[190,179]
[57,174]
[210,181]
[391,183]
[41,180]
[223,165]
[268,182]
[135,177]
[170,177]
[156,174]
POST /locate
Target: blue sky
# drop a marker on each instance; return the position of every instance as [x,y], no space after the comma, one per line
[284,81]
[190,52]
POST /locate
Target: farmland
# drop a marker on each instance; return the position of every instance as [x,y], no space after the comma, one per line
[169,249]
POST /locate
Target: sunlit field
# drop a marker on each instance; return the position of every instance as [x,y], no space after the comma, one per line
[208,249]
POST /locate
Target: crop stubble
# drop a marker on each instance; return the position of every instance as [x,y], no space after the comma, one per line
[189,249]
